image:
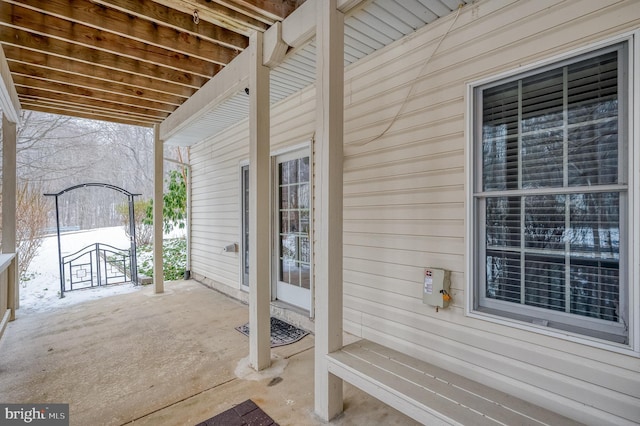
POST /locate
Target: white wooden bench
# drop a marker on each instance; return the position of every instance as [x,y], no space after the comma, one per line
[429,394]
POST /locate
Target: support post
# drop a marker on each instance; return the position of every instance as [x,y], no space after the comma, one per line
[259,209]
[132,240]
[328,208]
[60,265]
[10,107]
[9,190]
[12,288]
[158,202]
[187,273]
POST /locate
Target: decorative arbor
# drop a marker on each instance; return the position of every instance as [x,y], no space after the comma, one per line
[132,229]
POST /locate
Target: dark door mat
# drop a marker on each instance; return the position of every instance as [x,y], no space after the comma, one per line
[282,333]
[246,413]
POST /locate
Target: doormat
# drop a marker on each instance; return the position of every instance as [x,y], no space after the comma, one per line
[282,333]
[246,413]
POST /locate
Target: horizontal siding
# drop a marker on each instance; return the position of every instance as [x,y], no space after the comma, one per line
[404,200]
[216,185]
[451,211]
[293,120]
[215,205]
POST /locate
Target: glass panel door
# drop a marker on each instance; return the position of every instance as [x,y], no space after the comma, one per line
[294,247]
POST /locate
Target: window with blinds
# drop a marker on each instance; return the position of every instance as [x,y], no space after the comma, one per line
[551,196]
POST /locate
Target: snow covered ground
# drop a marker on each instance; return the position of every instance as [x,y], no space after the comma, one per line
[42,292]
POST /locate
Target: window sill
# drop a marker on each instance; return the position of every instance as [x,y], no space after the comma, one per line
[605,341]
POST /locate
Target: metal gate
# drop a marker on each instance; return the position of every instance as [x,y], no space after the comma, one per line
[96,265]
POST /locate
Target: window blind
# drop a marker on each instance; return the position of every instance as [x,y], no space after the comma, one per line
[550,140]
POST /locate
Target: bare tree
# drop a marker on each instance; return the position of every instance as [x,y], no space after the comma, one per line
[30,221]
[56,152]
[48,146]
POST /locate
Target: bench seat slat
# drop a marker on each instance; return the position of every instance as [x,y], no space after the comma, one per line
[479,400]
[436,411]
[451,398]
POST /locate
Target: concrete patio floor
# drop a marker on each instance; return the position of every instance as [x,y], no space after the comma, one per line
[168,359]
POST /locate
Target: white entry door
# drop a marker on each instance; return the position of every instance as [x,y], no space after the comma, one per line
[293,247]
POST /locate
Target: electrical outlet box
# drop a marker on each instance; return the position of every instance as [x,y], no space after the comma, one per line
[231,248]
[437,284]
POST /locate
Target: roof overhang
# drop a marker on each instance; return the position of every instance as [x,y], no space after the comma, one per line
[369,26]
[131,62]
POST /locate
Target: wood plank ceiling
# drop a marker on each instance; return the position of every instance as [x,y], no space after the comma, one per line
[125,61]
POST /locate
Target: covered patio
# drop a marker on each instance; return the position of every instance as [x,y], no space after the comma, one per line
[401,118]
[148,359]
[114,61]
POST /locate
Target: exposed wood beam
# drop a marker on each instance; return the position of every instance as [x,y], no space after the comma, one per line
[267,11]
[132,61]
[96,110]
[139,83]
[94,57]
[77,90]
[183,22]
[87,102]
[21,18]
[128,26]
[61,77]
[70,111]
[218,15]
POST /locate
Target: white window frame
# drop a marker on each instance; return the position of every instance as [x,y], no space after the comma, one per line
[631,216]
[302,149]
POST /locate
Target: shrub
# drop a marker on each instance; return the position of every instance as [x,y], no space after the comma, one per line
[144,232]
[174,259]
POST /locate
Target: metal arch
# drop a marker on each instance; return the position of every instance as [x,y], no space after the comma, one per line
[132,227]
[101,185]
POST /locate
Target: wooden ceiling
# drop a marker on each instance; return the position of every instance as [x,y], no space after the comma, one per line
[126,61]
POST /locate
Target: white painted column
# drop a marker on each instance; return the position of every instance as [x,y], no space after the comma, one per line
[328,203]
[259,209]
[9,189]
[9,183]
[158,202]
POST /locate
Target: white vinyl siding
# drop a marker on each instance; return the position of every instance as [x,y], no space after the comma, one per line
[405,201]
[216,204]
[405,204]
[216,218]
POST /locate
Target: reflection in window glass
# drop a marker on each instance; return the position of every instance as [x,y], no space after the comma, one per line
[245,224]
[550,142]
[294,205]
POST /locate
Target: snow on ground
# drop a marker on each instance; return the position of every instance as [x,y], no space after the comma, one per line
[42,292]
